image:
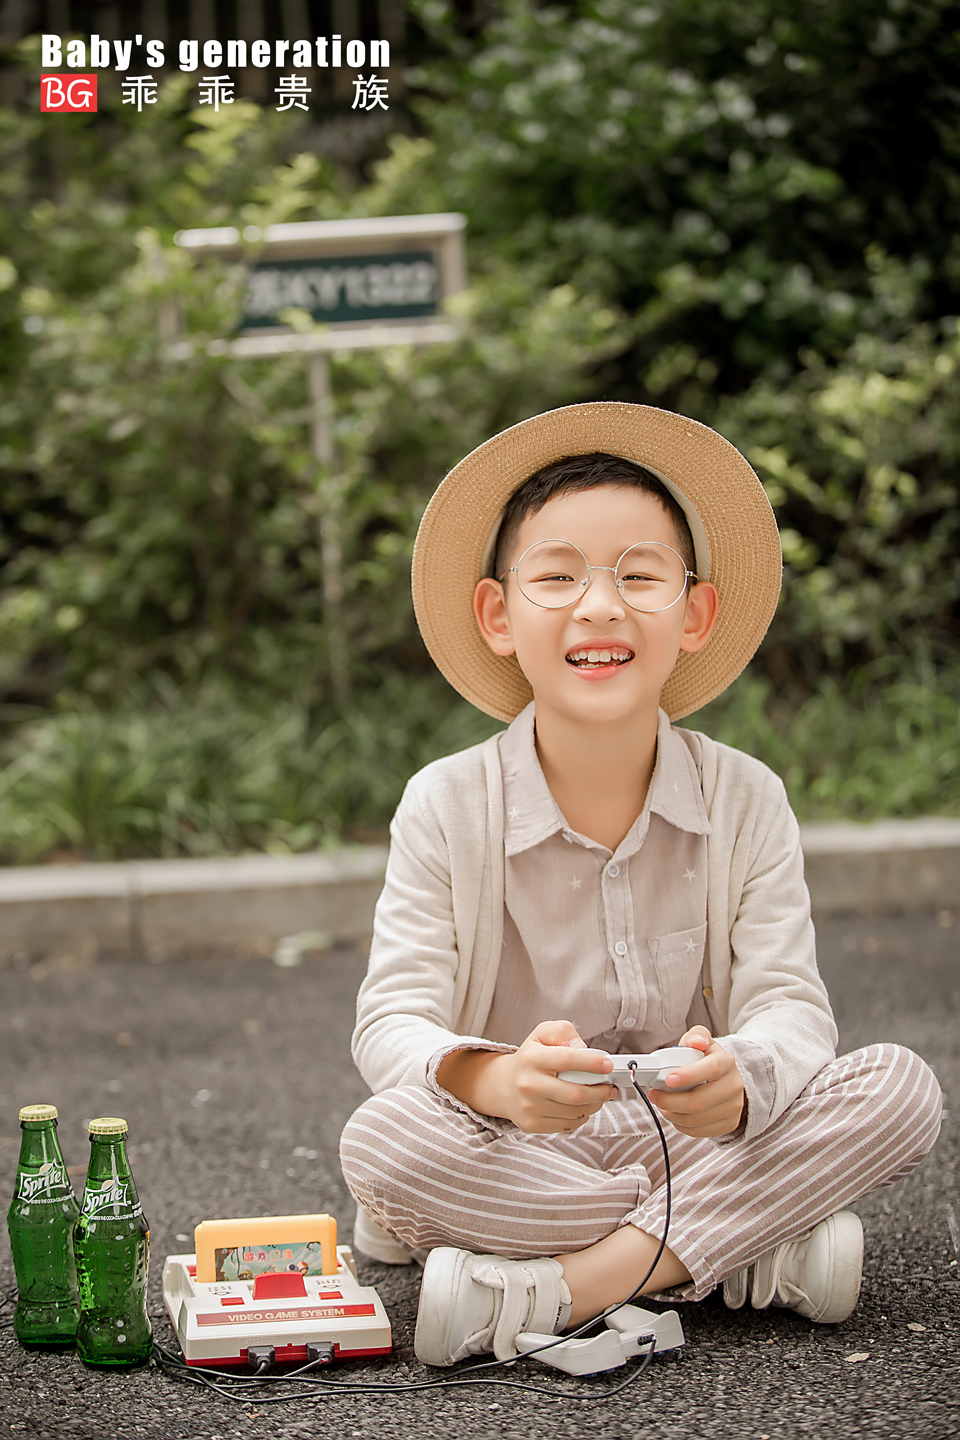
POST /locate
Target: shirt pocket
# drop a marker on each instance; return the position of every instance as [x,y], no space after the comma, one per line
[677,962]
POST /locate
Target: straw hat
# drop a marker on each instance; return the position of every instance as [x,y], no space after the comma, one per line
[733,527]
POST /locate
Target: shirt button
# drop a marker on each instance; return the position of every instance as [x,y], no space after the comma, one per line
[621,947]
[613,871]
[630,1021]
[708,992]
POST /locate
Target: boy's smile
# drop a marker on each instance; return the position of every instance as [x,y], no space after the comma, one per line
[600,656]
[596,659]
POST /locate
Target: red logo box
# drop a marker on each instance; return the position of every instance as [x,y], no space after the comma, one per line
[68,94]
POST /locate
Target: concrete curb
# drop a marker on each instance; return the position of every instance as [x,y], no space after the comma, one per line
[889,865]
[157,909]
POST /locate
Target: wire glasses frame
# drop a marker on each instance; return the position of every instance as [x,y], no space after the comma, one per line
[558,590]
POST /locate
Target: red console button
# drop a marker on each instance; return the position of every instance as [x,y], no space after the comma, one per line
[281,1285]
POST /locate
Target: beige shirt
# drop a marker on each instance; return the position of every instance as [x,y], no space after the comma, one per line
[610,940]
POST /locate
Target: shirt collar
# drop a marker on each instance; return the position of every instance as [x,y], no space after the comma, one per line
[676,793]
[532,814]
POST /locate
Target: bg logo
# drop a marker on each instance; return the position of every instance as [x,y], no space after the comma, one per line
[68,94]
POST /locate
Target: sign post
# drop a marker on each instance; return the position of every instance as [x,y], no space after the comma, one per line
[372,283]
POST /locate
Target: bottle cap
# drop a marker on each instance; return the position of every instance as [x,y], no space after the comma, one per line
[38,1112]
[107,1125]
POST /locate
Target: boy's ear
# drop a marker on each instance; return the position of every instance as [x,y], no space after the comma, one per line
[491,612]
[703,607]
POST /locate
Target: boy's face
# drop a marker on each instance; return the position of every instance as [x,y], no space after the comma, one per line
[551,644]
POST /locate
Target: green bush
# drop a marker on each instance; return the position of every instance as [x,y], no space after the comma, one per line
[164,515]
[156,776]
[717,168]
[861,461]
[737,208]
[160,777]
[886,743]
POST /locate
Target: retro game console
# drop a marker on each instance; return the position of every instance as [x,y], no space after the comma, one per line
[276,1282]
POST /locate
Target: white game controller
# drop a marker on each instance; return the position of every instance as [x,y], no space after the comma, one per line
[650,1069]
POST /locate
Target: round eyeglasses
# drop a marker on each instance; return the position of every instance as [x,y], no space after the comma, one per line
[649,575]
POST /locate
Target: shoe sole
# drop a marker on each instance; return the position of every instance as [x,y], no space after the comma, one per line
[838,1243]
[432,1341]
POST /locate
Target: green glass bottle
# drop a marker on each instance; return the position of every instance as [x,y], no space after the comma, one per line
[40,1223]
[112,1245]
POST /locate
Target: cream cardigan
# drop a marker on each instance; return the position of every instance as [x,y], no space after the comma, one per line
[439,925]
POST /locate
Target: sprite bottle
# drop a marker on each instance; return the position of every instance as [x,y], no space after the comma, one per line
[112,1245]
[40,1221]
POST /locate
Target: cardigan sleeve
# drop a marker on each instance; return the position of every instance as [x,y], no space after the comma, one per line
[780,1026]
[408,1000]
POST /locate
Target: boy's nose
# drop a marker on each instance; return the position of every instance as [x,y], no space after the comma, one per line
[601,597]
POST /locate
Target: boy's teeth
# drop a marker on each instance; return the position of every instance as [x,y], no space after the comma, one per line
[599,657]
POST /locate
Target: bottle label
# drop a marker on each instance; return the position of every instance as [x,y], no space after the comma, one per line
[112,1195]
[50,1178]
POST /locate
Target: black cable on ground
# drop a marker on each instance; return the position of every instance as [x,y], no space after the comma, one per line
[246,1390]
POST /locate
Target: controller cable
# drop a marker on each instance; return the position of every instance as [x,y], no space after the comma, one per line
[248,1389]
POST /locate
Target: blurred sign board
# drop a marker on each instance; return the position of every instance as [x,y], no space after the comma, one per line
[373,282]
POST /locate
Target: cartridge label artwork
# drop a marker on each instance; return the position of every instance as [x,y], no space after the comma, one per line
[246,1262]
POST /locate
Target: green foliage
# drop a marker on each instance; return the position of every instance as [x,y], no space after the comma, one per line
[716,167]
[157,776]
[163,513]
[740,209]
[160,776]
[861,461]
[885,743]
[770,194]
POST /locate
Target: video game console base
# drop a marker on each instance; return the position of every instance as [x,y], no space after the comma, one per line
[217,1322]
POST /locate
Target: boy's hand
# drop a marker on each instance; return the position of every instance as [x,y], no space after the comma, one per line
[716,1106]
[524,1086]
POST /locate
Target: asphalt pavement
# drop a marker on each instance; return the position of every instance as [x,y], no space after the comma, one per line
[236,1080]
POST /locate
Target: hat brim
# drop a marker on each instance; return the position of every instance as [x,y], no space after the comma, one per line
[699,466]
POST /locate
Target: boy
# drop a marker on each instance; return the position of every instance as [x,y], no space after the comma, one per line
[593,881]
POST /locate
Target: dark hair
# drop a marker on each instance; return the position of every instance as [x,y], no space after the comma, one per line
[586,472]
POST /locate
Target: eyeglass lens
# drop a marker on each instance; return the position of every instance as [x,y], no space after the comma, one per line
[650,576]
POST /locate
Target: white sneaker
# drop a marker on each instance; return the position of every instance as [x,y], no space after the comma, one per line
[471,1304]
[379,1244]
[817,1275]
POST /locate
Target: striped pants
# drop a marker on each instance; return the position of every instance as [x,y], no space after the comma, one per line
[432,1175]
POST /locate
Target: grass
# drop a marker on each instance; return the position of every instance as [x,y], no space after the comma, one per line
[163,777]
[218,777]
